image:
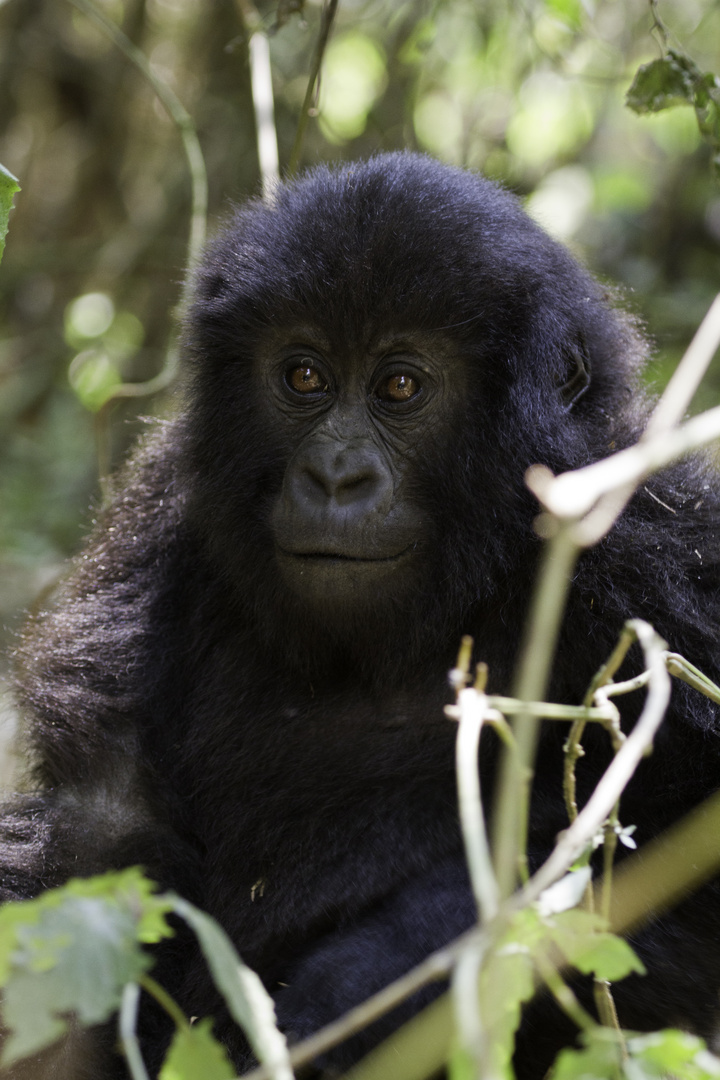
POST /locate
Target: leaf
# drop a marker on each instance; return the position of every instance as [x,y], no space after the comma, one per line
[664,83]
[590,948]
[8,187]
[461,1065]
[195,1054]
[671,1053]
[246,997]
[565,893]
[507,981]
[76,958]
[601,1057]
[71,951]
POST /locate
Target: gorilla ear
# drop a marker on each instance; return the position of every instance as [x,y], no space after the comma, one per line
[577,384]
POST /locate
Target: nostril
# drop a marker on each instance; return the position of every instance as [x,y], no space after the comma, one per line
[342,485]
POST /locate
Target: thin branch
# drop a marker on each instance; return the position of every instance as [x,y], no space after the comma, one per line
[686,378]
[465,991]
[536,655]
[435,967]
[547,710]
[681,668]
[164,1000]
[262,96]
[562,993]
[127,1026]
[326,22]
[263,103]
[618,773]
[473,707]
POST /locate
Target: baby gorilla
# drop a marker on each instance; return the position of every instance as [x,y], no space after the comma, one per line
[241,684]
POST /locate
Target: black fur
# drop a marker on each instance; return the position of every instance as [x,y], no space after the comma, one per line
[197,711]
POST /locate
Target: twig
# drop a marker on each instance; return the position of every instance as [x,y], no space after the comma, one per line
[326,21]
[687,376]
[436,966]
[682,669]
[262,96]
[562,993]
[164,1000]
[512,803]
[127,1025]
[547,710]
[473,707]
[465,991]
[618,773]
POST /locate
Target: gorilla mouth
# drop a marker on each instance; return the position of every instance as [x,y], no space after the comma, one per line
[340,557]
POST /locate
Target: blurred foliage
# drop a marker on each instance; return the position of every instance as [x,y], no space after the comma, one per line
[532,92]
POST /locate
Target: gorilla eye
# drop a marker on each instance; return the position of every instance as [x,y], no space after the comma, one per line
[398,388]
[306,380]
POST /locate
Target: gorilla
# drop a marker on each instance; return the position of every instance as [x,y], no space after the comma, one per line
[240,685]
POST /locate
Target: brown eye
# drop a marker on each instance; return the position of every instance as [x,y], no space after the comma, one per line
[398,388]
[306,380]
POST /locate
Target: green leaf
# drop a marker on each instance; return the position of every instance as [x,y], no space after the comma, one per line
[664,83]
[569,11]
[246,997]
[76,958]
[590,948]
[461,1065]
[507,981]
[600,1058]
[196,1055]
[671,1053]
[8,187]
[71,951]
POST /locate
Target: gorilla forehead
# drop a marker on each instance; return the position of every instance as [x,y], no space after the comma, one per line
[399,238]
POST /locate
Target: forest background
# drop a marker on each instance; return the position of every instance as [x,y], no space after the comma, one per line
[530,92]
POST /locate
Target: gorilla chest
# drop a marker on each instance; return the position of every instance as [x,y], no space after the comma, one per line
[332,805]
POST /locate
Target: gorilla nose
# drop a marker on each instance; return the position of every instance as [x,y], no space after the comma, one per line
[343,478]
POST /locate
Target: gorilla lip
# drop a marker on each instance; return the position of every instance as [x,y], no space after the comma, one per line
[334,556]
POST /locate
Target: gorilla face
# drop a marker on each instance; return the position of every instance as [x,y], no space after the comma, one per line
[358,423]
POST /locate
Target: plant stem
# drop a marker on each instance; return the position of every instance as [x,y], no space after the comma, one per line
[513,799]
[164,999]
[326,21]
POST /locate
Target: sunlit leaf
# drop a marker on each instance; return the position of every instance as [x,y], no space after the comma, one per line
[601,1057]
[507,981]
[664,83]
[570,11]
[590,948]
[461,1065]
[8,187]
[672,1053]
[196,1055]
[71,951]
